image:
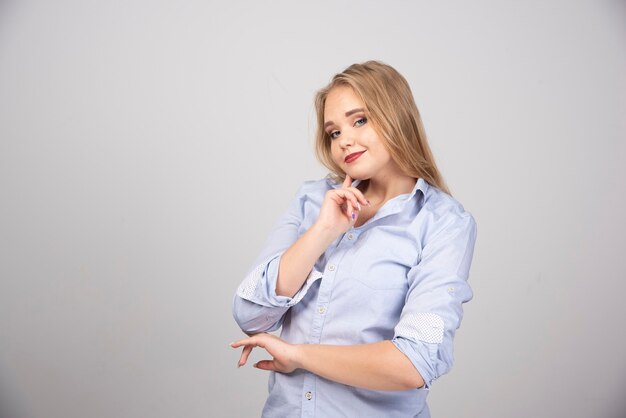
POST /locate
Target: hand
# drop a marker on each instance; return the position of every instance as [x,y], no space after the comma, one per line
[341,207]
[284,354]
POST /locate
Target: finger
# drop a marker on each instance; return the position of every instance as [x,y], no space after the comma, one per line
[346,194]
[245,353]
[359,194]
[338,197]
[266,365]
[350,211]
[255,340]
[347,182]
[240,343]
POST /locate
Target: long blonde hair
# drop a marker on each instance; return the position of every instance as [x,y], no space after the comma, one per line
[392,110]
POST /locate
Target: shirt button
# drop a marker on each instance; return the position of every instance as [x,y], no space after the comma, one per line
[331,267]
[308,396]
[350,236]
[321,309]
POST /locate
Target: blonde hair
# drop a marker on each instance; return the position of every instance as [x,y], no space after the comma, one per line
[394,115]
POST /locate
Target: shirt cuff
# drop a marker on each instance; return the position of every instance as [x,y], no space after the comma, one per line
[260,284]
[421,355]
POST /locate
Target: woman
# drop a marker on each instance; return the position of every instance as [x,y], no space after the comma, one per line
[367,270]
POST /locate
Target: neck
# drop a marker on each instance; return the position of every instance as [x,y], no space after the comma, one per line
[383,188]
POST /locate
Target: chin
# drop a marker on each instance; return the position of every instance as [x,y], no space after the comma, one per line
[357,176]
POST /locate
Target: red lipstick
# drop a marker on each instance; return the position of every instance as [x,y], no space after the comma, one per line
[353,156]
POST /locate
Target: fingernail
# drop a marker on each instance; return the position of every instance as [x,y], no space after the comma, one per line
[353,216]
[255,365]
[358,205]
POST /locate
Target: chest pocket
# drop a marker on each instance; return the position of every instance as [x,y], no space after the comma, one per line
[382,267]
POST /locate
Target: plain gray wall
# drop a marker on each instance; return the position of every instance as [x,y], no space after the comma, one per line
[146,148]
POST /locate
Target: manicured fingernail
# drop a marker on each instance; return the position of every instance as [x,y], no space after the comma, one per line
[353,216]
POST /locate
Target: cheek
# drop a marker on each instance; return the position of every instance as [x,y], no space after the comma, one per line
[335,152]
[383,153]
[377,146]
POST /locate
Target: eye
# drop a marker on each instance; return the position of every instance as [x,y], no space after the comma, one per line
[334,134]
[360,121]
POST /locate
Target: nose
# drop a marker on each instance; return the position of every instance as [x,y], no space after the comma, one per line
[346,139]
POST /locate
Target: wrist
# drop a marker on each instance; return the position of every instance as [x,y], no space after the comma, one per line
[324,232]
[299,352]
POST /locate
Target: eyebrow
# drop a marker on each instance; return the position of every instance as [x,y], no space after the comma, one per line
[348,113]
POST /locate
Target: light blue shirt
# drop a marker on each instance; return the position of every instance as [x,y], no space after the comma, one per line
[401,276]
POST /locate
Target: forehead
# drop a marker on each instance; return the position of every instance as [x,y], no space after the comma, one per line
[341,99]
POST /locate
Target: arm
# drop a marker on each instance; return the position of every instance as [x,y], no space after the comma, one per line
[333,220]
[421,349]
[297,262]
[284,269]
[256,307]
[376,366]
[266,294]
[437,290]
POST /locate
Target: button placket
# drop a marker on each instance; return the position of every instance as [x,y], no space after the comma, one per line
[308,407]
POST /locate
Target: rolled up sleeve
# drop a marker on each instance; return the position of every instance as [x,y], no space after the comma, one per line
[437,290]
[256,306]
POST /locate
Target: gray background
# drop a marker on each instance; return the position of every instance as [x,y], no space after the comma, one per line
[146,148]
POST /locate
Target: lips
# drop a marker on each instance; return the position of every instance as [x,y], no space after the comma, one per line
[353,156]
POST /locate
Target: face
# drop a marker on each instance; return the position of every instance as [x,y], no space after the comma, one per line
[355,146]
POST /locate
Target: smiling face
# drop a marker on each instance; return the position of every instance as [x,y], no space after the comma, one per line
[354,144]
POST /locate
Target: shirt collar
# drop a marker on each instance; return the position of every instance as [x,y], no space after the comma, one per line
[420,185]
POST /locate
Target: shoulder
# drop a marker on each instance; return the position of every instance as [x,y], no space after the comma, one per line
[440,212]
[316,188]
